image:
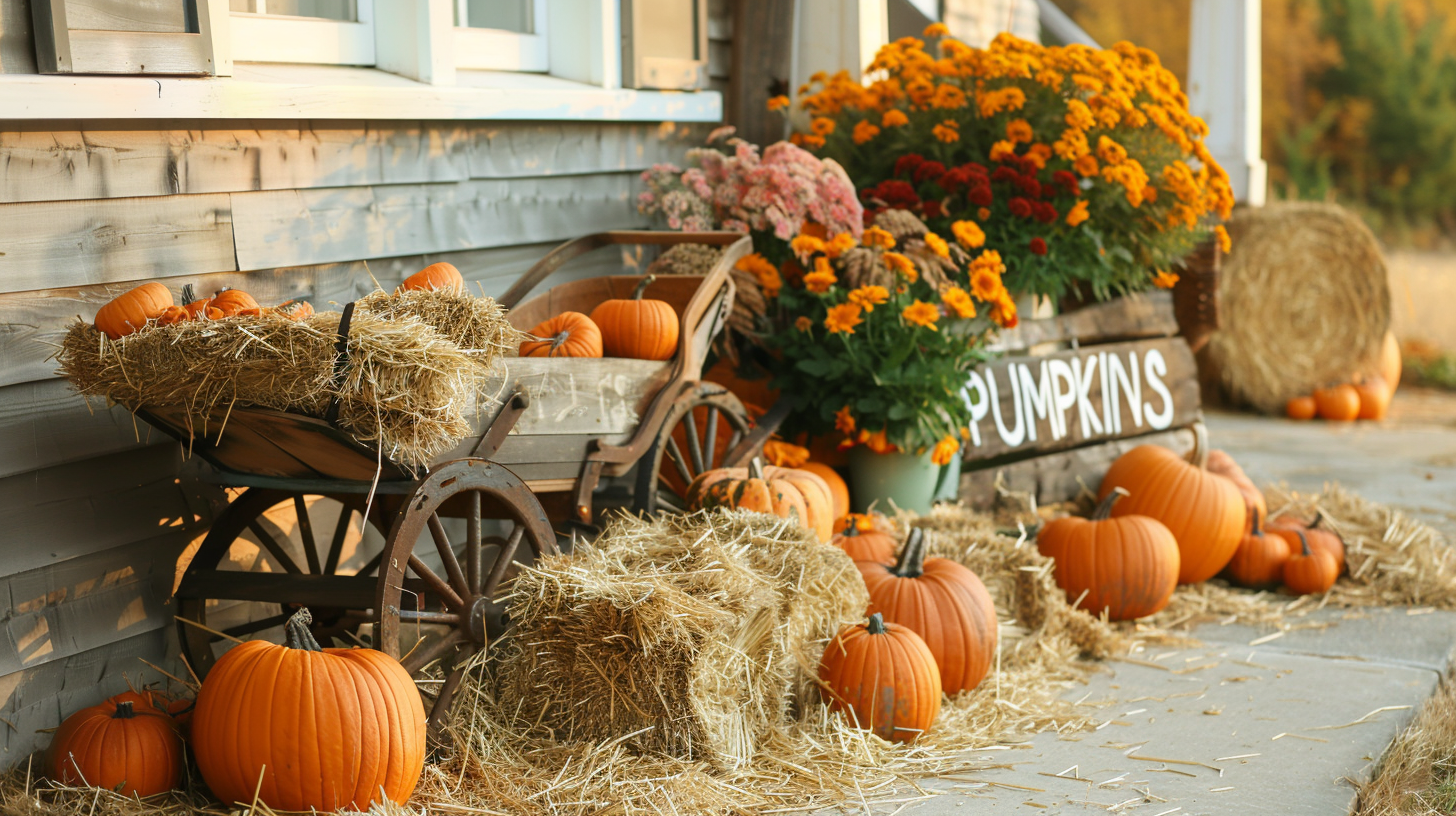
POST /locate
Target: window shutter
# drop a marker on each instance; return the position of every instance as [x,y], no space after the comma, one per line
[665,44]
[129,37]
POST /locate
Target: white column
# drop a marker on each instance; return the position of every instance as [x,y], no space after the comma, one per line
[834,35]
[1224,70]
[415,39]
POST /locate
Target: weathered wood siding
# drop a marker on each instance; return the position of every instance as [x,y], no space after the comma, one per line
[97,508]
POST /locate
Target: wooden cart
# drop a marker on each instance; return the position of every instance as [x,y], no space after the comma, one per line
[413,562]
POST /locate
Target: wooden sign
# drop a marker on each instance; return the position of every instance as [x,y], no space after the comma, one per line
[1025,405]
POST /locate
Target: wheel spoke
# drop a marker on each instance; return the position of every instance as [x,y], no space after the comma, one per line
[436,583]
[274,549]
[675,454]
[372,564]
[336,546]
[503,560]
[429,654]
[305,533]
[449,618]
[668,500]
[256,626]
[735,439]
[441,709]
[473,543]
[447,557]
[695,446]
[712,438]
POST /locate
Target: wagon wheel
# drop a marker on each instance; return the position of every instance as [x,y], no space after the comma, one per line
[447,613]
[704,425]
[255,531]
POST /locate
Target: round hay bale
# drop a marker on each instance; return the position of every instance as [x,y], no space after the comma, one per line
[1305,302]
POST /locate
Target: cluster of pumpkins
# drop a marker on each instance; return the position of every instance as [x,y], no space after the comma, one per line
[335,729]
[634,327]
[1366,397]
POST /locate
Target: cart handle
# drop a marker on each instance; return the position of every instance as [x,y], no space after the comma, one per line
[557,258]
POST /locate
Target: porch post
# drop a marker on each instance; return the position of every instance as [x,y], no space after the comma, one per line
[1224,70]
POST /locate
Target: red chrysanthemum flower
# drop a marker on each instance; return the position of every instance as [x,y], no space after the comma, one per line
[1038,246]
[1020,207]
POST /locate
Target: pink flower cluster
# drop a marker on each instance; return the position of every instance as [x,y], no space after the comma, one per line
[776,193]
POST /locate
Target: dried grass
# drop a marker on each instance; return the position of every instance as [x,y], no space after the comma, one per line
[477,325]
[406,389]
[1417,775]
[1305,302]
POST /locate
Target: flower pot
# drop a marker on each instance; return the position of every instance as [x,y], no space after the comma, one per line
[903,478]
[948,483]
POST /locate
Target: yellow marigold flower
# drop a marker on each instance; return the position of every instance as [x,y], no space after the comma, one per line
[986,285]
[868,297]
[822,126]
[1150,193]
[1086,166]
[864,131]
[959,302]
[844,421]
[948,131]
[1225,243]
[1038,154]
[935,30]
[778,102]
[1003,149]
[1072,146]
[876,441]
[1110,151]
[821,278]
[1078,213]
[1018,130]
[803,323]
[937,245]
[944,450]
[806,245]
[921,313]
[948,97]
[1108,117]
[1164,279]
[1135,118]
[902,265]
[969,234]
[877,238]
[1003,311]
[810,140]
[796,139]
[894,118]
[769,281]
[843,318]
[1079,116]
[839,244]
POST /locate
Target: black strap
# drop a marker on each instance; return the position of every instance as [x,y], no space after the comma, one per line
[341,363]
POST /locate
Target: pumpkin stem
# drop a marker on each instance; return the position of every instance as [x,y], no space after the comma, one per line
[1104,508]
[188,294]
[296,634]
[558,341]
[755,468]
[1303,542]
[1254,528]
[912,560]
[123,711]
[876,624]
[1199,457]
[642,287]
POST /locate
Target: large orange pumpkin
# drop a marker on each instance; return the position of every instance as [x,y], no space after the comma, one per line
[942,602]
[1309,571]
[866,543]
[783,492]
[1126,566]
[1204,511]
[1259,560]
[1225,466]
[440,275]
[838,489]
[637,328]
[325,729]
[233,302]
[569,334]
[130,311]
[120,746]
[883,678]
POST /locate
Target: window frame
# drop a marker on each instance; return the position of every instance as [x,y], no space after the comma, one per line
[311,40]
[493,49]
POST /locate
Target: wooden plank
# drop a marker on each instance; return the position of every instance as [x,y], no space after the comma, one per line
[60,244]
[135,52]
[519,149]
[1126,318]
[1061,476]
[43,424]
[293,227]
[762,63]
[17,50]
[1028,405]
[126,15]
[720,59]
[720,19]
[597,397]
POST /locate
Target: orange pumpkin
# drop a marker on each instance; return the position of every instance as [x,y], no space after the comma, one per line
[866,543]
[1374,396]
[1259,560]
[232,302]
[1340,403]
[1301,408]
[1125,566]
[1204,511]
[295,309]
[179,709]
[121,746]
[569,334]
[129,312]
[1225,466]
[779,453]
[171,315]
[864,521]
[783,492]
[883,678]
[324,729]
[1319,537]
[436,276]
[942,602]
[636,328]
[1389,365]
[198,309]
[838,489]
[1309,571]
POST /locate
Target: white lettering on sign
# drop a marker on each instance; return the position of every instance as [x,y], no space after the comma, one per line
[1059,385]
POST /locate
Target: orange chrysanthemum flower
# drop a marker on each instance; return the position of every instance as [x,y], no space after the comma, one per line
[1225,243]
[903,265]
[843,318]
[1078,213]
[806,245]
[959,302]
[969,234]
[839,244]
[868,297]
[778,102]
[864,131]
[944,450]
[1165,279]
[803,323]
[844,421]
[921,314]
[937,245]
[948,131]
[877,238]
[894,118]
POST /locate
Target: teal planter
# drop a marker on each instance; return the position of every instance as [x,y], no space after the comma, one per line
[909,481]
[948,488]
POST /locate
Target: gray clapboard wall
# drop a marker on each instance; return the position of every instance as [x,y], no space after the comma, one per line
[97,507]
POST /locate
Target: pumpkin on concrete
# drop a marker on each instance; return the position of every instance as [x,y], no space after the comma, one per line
[867,543]
[436,276]
[783,492]
[1375,397]
[1339,403]
[882,677]
[1224,465]
[233,302]
[324,729]
[1259,560]
[1317,532]
[130,311]
[1125,566]
[838,489]
[1204,511]
[637,328]
[1301,408]
[942,602]
[1309,571]
[121,746]
[1388,365]
[569,334]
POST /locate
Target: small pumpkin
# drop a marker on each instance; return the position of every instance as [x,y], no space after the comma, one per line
[637,328]
[783,492]
[172,315]
[1320,537]
[1340,403]
[1374,396]
[866,543]
[838,489]
[199,309]
[942,602]
[232,302]
[1301,408]
[1125,566]
[436,276]
[1309,571]
[323,729]
[883,678]
[1259,560]
[864,521]
[130,311]
[121,746]
[295,309]
[1203,510]
[569,334]
[1224,465]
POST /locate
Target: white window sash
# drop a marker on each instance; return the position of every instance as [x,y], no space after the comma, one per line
[275,38]
[496,50]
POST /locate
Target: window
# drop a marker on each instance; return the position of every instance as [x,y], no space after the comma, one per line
[332,32]
[501,35]
[127,38]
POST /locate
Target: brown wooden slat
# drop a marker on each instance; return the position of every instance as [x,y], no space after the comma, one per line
[343,591]
[1126,318]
